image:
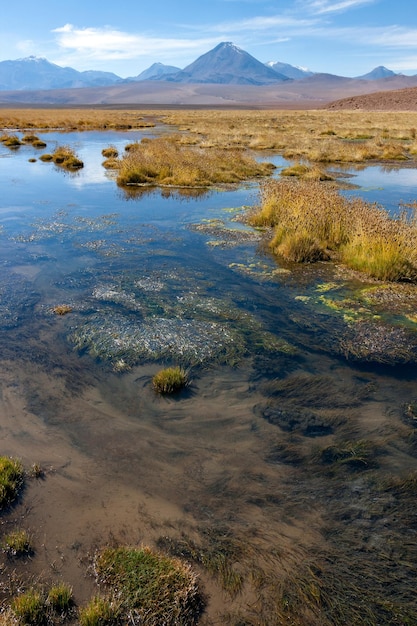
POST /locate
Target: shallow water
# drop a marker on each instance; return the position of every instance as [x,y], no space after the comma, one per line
[279,453]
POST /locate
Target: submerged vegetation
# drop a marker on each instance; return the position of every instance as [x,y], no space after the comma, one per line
[312,222]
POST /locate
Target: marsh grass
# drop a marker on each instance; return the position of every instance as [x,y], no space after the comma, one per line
[311,221]
[100,611]
[75,118]
[165,161]
[150,587]
[110,152]
[17,543]
[65,157]
[11,141]
[29,608]
[319,136]
[11,480]
[34,140]
[60,598]
[305,172]
[170,380]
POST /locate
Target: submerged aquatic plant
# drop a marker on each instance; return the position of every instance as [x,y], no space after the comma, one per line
[62,309]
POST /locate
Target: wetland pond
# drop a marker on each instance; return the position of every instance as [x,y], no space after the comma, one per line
[285,473]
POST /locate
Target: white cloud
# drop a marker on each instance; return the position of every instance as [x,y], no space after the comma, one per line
[320,7]
[262,24]
[394,36]
[111,44]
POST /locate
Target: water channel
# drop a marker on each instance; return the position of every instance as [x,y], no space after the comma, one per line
[287,460]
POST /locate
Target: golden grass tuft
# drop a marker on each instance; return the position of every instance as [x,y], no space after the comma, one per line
[65,157]
[311,222]
[165,161]
[170,380]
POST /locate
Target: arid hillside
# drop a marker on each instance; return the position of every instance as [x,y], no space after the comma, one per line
[397,100]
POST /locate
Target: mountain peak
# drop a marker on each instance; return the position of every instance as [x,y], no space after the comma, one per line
[378,72]
[33,59]
[228,64]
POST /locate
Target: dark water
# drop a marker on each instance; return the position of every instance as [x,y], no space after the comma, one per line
[288,465]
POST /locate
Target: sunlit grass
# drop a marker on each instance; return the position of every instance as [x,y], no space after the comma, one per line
[311,221]
[151,588]
[11,479]
[321,136]
[17,543]
[170,380]
[166,161]
[65,157]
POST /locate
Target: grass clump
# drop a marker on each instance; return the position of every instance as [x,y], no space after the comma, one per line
[62,309]
[306,172]
[11,141]
[151,588]
[17,543]
[60,598]
[11,480]
[99,612]
[29,608]
[164,161]
[170,380]
[312,222]
[110,152]
[65,156]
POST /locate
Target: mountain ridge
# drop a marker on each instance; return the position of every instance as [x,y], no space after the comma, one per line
[224,64]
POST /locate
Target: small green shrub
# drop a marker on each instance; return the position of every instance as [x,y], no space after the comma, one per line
[46,157]
[17,543]
[60,598]
[11,480]
[29,608]
[99,612]
[170,380]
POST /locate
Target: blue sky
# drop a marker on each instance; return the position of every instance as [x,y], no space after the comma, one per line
[345,37]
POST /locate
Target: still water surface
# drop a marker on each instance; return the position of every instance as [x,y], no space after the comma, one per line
[277,456]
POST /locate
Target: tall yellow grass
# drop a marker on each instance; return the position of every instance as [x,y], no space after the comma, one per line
[311,221]
[165,161]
